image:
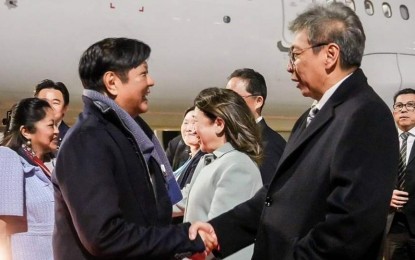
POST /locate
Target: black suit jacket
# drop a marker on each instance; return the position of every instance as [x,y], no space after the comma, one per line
[177,152]
[106,203]
[273,145]
[331,192]
[63,129]
[409,209]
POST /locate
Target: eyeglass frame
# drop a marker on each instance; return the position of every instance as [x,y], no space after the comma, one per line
[251,95]
[293,55]
[396,107]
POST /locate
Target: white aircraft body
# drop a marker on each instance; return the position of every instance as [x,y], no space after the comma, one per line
[195,44]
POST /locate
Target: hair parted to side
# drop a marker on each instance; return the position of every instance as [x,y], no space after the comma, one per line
[256,82]
[334,23]
[27,112]
[240,127]
[403,92]
[47,83]
[118,55]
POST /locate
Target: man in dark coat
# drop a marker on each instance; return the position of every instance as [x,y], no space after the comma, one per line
[330,195]
[114,187]
[177,151]
[251,85]
[401,219]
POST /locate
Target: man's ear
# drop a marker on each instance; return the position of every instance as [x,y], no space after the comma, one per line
[259,102]
[333,55]
[110,80]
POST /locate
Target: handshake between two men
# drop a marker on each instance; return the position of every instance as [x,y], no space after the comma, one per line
[208,235]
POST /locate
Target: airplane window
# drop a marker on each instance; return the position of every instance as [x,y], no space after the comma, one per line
[350,3]
[404,12]
[387,11]
[369,7]
[226,19]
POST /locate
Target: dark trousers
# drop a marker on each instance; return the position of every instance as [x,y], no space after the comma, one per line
[400,243]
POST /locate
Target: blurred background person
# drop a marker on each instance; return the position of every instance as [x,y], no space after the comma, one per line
[185,172]
[26,191]
[228,174]
[57,95]
[177,151]
[251,85]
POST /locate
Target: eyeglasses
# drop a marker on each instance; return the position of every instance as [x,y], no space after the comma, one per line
[294,55]
[247,96]
[410,106]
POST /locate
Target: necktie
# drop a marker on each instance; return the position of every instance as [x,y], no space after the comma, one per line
[313,111]
[402,162]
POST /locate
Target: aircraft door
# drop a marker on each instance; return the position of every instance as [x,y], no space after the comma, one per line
[406,65]
[290,10]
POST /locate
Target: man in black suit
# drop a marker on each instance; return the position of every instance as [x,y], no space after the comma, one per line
[114,187]
[251,85]
[177,151]
[57,95]
[401,220]
[330,195]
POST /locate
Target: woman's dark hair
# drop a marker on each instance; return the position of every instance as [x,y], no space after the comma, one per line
[25,113]
[240,127]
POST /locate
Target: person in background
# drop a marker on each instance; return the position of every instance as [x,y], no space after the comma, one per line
[400,240]
[57,95]
[114,187]
[251,85]
[26,190]
[330,195]
[184,173]
[177,151]
[228,174]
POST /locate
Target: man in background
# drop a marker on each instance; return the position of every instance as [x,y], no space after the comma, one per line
[57,95]
[251,85]
[400,243]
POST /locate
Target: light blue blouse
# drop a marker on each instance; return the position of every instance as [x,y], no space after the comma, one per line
[26,191]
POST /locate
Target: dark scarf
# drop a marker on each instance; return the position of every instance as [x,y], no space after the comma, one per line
[148,147]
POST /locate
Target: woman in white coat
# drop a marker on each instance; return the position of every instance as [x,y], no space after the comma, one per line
[228,174]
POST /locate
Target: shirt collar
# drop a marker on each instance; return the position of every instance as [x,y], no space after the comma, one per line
[258,119]
[319,104]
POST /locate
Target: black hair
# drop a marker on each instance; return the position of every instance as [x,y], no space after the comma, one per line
[25,113]
[47,83]
[402,92]
[119,55]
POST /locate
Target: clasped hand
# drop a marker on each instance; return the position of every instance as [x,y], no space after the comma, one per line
[208,235]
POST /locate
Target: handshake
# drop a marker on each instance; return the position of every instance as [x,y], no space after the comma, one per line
[207,233]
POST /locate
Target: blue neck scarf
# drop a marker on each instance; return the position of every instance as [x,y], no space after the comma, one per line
[148,147]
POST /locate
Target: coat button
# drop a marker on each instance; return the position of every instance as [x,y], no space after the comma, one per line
[268,201]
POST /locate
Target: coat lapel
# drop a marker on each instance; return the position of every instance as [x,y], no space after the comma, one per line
[411,155]
[302,134]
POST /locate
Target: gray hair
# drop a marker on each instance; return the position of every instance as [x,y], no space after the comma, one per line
[335,23]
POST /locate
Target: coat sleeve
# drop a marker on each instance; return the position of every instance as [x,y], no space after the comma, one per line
[11,184]
[237,228]
[86,174]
